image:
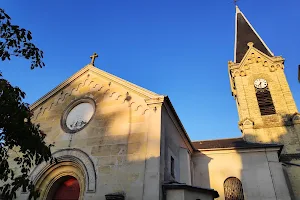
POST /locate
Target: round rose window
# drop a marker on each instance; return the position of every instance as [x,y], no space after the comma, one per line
[78,115]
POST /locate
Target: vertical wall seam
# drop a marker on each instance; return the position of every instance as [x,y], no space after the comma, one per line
[271,174]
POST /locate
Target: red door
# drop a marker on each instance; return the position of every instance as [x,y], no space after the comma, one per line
[68,190]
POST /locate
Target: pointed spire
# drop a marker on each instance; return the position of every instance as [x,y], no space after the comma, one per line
[244,33]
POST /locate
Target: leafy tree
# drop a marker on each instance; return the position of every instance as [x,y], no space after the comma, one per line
[17,132]
[299,73]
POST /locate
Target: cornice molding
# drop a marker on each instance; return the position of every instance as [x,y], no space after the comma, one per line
[203,152]
[111,78]
[270,121]
[155,101]
[94,88]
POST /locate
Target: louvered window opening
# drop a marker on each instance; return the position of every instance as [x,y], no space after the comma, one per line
[233,189]
[265,101]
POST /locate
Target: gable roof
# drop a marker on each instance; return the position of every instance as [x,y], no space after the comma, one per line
[232,143]
[90,68]
[244,33]
[148,95]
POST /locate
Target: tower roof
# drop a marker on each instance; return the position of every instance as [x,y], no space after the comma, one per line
[244,33]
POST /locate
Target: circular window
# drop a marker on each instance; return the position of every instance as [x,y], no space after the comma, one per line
[78,115]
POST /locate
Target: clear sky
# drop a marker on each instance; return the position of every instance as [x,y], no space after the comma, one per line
[175,48]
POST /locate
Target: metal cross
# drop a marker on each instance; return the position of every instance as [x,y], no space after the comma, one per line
[93,57]
[235,2]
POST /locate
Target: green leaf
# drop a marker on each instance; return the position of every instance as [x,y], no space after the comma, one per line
[18,136]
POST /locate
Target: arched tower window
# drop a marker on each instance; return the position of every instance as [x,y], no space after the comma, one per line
[233,189]
[265,101]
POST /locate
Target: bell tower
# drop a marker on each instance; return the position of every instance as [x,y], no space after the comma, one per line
[265,104]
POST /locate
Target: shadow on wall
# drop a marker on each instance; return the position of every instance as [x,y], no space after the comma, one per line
[284,168]
[255,162]
[276,129]
[285,130]
[115,138]
[204,173]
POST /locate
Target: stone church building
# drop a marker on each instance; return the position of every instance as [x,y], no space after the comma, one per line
[116,140]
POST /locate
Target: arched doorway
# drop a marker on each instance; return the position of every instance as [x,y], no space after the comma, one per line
[70,163]
[65,188]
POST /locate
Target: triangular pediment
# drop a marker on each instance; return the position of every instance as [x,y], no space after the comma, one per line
[256,61]
[85,80]
[98,112]
[253,56]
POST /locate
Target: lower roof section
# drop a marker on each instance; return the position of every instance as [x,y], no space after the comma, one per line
[232,143]
[182,186]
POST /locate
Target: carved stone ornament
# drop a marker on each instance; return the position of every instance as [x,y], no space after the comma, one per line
[246,124]
[155,103]
[158,100]
[296,118]
[257,58]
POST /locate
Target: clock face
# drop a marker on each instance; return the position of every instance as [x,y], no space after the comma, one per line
[79,116]
[260,83]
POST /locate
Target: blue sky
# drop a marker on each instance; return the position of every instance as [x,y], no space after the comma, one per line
[175,48]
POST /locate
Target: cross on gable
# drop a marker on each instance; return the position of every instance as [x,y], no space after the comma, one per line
[93,57]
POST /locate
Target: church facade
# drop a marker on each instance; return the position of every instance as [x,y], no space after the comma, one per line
[116,140]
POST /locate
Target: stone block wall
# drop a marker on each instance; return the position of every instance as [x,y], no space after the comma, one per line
[294,171]
[259,171]
[176,146]
[122,139]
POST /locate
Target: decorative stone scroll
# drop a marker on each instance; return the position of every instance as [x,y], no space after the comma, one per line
[76,156]
[296,118]
[246,124]
[94,88]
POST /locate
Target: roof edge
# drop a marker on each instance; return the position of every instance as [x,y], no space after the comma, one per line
[218,139]
[280,146]
[176,186]
[89,67]
[168,101]
[59,87]
[237,10]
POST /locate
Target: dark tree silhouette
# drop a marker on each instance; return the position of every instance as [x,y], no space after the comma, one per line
[18,135]
[299,73]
